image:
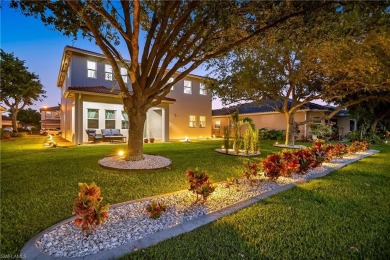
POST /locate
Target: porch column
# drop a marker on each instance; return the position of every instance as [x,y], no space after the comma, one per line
[78,120]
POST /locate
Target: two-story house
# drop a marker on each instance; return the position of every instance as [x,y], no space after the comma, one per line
[90,100]
[50,117]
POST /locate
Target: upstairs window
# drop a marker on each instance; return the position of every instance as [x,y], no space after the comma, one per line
[187,87]
[93,118]
[48,114]
[170,81]
[108,72]
[124,74]
[202,121]
[91,67]
[57,114]
[202,89]
[125,120]
[110,119]
[192,121]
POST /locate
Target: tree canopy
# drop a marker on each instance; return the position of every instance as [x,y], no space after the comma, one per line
[19,87]
[179,36]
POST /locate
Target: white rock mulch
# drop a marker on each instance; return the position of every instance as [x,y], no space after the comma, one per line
[129,222]
[240,153]
[148,163]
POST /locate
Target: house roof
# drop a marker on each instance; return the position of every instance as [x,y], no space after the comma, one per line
[67,56]
[56,108]
[253,108]
[5,118]
[2,108]
[104,90]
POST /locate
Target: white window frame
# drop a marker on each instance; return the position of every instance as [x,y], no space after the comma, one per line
[202,123]
[170,81]
[92,118]
[91,69]
[109,119]
[108,72]
[187,87]
[192,121]
[124,74]
[202,89]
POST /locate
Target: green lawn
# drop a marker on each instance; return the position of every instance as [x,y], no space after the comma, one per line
[344,214]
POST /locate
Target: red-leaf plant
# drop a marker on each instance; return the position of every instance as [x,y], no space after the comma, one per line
[199,184]
[291,163]
[155,209]
[339,150]
[89,209]
[307,160]
[364,146]
[273,166]
[321,153]
[250,171]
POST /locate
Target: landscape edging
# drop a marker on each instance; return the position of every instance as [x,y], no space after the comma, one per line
[31,251]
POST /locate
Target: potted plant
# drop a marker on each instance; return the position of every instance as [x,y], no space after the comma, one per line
[315,130]
[146,140]
[151,140]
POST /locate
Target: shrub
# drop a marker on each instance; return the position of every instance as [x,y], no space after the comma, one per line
[155,209]
[255,141]
[247,140]
[250,171]
[273,166]
[291,163]
[266,134]
[88,207]
[352,136]
[199,184]
[339,150]
[18,134]
[364,146]
[307,160]
[226,138]
[5,134]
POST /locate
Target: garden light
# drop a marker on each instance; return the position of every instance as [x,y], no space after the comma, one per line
[121,153]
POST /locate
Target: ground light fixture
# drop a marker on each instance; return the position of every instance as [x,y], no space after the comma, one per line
[121,152]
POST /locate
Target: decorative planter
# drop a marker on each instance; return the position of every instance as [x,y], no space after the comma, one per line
[146,140]
[151,140]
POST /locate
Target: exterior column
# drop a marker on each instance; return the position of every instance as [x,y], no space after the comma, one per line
[163,139]
[165,123]
[78,120]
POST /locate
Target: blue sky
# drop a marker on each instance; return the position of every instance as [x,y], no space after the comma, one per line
[41,48]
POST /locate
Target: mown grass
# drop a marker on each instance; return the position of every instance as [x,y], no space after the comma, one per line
[345,215]
[331,216]
[39,185]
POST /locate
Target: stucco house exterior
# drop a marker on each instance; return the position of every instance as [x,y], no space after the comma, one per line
[51,117]
[265,117]
[90,100]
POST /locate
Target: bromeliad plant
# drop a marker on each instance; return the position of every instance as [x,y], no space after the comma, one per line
[88,208]
[250,172]
[155,209]
[199,184]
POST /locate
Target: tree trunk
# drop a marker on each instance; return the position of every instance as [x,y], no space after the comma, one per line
[290,130]
[135,149]
[373,126]
[14,119]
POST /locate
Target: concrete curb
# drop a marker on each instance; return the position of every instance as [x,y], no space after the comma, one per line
[31,251]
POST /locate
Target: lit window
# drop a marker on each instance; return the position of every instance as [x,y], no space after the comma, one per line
[93,118]
[217,124]
[110,119]
[108,72]
[202,121]
[316,120]
[124,74]
[187,87]
[170,81]
[48,114]
[91,66]
[202,89]
[192,121]
[57,114]
[125,120]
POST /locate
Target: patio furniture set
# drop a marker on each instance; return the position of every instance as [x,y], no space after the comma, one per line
[106,135]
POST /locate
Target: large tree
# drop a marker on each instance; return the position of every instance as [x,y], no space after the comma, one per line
[28,117]
[19,87]
[292,67]
[178,37]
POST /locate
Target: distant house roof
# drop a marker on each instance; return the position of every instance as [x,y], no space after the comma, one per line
[253,108]
[104,90]
[56,108]
[2,108]
[6,118]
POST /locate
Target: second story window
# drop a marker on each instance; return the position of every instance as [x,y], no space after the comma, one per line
[192,121]
[202,121]
[124,74]
[170,81]
[91,66]
[202,89]
[108,72]
[48,114]
[110,119]
[187,87]
[57,114]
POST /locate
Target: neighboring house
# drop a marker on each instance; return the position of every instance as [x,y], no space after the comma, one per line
[90,100]
[266,117]
[2,109]
[7,122]
[50,117]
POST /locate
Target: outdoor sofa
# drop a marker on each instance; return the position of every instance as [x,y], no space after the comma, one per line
[112,135]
